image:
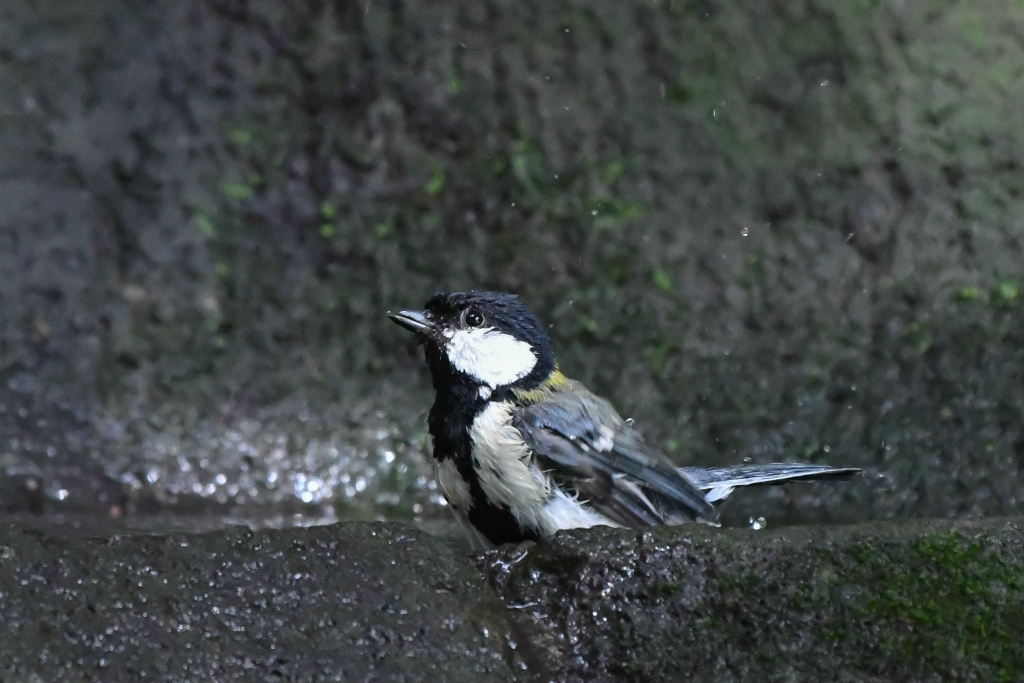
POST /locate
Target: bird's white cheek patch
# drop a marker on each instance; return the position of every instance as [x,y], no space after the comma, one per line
[489,356]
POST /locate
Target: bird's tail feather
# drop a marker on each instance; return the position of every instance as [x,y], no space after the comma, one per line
[719,482]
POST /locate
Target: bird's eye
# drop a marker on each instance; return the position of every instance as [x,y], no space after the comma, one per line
[474,318]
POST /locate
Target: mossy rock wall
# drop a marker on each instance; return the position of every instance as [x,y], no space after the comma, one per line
[769,230]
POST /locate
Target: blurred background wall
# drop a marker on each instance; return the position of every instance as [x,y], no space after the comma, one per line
[769,230]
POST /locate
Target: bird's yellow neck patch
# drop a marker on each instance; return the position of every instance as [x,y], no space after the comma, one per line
[555,381]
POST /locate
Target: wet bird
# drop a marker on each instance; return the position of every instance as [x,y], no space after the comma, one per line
[521,451]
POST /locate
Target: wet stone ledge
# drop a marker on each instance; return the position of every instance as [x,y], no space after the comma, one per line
[385,602]
[350,602]
[906,601]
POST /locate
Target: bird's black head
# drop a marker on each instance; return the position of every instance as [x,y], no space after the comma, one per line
[483,341]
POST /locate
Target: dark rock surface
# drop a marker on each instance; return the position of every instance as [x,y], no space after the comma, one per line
[384,602]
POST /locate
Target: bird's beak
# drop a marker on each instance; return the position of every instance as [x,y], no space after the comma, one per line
[414,321]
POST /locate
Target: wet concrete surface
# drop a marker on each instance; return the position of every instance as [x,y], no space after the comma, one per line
[386,602]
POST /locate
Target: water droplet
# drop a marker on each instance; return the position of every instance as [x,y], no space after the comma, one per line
[758,523]
[630,421]
[745,231]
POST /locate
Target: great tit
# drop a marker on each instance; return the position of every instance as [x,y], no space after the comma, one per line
[521,451]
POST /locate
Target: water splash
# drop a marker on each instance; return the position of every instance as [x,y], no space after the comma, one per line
[349,457]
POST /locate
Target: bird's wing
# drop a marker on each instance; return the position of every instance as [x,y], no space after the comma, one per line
[719,482]
[581,441]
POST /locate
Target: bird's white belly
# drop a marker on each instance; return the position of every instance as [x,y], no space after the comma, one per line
[505,467]
[563,511]
[453,486]
[509,476]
